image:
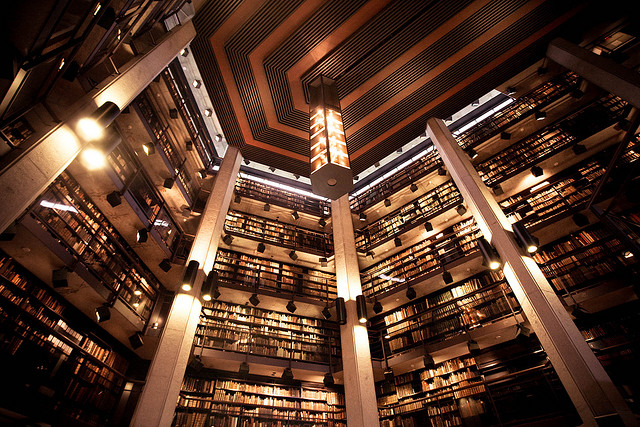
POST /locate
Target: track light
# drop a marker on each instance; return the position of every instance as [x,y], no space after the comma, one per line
[537,171]
[136,340]
[326,312]
[510,90]
[475,102]
[328,380]
[190,275]
[525,239]
[92,128]
[295,215]
[254,300]
[149,148]
[472,153]
[446,276]
[142,235]
[377,307]
[361,308]
[497,190]
[184,52]
[540,115]
[168,183]
[272,169]
[227,239]
[291,307]
[103,313]
[165,265]
[323,261]
[428,361]
[322,222]
[210,284]
[243,370]
[413,187]
[580,220]
[473,347]
[287,374]
[208,112]
[267,207]
[461,210]
[59,277]
[491,258]
[341,311]
[442,171]
[387,202]
[411,293]
[293,255]
[363,217]
[428,226]
[261,247]
[579,149]
[397,242]
[505,135]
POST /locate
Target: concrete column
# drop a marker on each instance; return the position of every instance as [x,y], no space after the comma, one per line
[588,385]
[157,403]
[603,72]
[359,387]
[25,174]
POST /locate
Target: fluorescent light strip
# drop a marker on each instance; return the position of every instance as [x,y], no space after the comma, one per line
[281,186]
[58,206]
[482,117]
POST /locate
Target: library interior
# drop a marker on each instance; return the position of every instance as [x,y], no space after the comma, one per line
[320,213]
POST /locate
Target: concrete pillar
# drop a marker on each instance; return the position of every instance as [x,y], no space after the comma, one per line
[588,385]
[157,403]
[25,174]
[603,72]
[359,387]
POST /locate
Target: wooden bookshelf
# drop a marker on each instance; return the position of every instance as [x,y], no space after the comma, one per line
[551,140]
[412,214]
[524,106]
[236,269]
[67,212]
[248,329]
[220,398]
[255,190]
[402,179]
[85,375]
[278,233]
[422,259]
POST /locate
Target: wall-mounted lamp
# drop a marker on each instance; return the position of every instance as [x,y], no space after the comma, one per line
[490,255]
[190,275]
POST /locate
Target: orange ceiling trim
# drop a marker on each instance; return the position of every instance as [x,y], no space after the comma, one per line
[295,73]
[443,66]
[413,52]
[487,68]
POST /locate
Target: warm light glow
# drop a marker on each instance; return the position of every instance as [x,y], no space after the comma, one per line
[186,287]
[136,304]
[93,158]
[89,129]
[387,336]
[494,265]
[363,320]
[58,206]
[532,248]
[206,297]
[137,292]
[539,186]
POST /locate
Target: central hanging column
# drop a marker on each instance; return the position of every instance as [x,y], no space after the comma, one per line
[359,387]
[596,399]
[159,397]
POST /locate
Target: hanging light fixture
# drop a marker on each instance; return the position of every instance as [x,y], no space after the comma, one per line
[331,174]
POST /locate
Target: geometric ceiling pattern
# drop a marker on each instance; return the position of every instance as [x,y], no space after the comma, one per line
[395,63]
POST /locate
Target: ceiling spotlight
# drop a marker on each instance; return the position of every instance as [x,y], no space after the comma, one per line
[580,220]
[323,261]
[497,190]
[227,239]
[428,226]
[326,312]
[215,293]
[188,145]
[247,162]
[413,187]
[149,148]
[291,307]
[446,276]
[448,120]
[165,265]
[272,169]
[293,255]
[411,293]
[196,84]
[491,258]
[254,300]
[537,171]
[295,215]
[428,361]
[397,242]
[376,164]
[341,311]
[208,112]
[542,71]
[243,370]
[356,177]
[361,308]
[472,153]
[377,307]
[475,102]
[524,238]
[627,254]
[168,183]
[103,313]
[577,93]
[505,135]
[510,90]
[142,235]
[387,335]
[322,222]
[328,380]
[388,375]
[267,207]
[136,340]
[92,128]
[261,247]
[461,210]
[540,115]
[190,274]
[579,149]
[387,202]
[442,171]
[202,173]
[287,374]
[184,52]
[59,277]
[473,347]
[369,254]
[114,199]
[399,150]
[363,217]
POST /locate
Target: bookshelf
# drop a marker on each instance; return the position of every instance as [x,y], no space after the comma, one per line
[248,329]
[43,349]
[421,260]
[222,398]
[524,106]
[551,140]
[67,213]
[278,233]
[405,175]
[412,214]
[236,269]
[255,190]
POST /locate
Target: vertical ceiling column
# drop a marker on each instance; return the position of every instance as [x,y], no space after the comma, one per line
[595,397]
[24,174]
[157,403]
[359,387]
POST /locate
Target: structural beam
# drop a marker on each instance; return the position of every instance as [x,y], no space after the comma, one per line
[595,397]
[359,387]
[25,175]
[603,72]
[157,403]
